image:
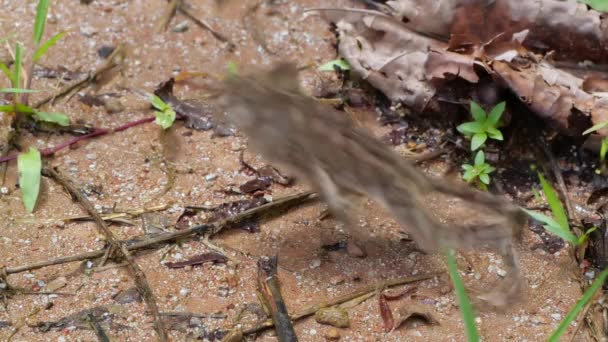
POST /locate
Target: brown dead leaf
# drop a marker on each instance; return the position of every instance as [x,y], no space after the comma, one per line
[412,314]
[386,313]
[199,260]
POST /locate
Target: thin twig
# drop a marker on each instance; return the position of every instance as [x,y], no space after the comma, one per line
[342,299]
[117,246]
[183,10]
[209,228]
[168,15]
[270,288]
[99,332]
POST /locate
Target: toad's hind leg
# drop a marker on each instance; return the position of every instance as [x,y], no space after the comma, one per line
[343,204]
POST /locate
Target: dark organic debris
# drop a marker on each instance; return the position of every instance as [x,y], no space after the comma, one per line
[254,185]
[386,313]
[550,243]
[103,315]
[59,73]
[197,116]
[413,314]
[4,324]
[190,215]
[127,296]
[198,260]
[105,51]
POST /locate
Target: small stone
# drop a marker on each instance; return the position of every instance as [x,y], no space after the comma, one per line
[332,334]
[315,263]
[87,31]
[210,177]
[4,190]
[354,251]
[335,280]
[334,316]
[181,27]
[556,316]
[184,292]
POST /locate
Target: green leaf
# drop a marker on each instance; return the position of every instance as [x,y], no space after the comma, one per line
[232,69]
[466,309]
[494,133]
[467,167]
[57,118]
[7,72]
[47,45]
[603,150]
[165,118]
[340,63]
[477,112]
[495,114]
[41,11]
[17,90]
[470,128]
[470,175]
[596,127]
[554,203]
[478,140]
[598,5]
[21,108]
[552,226]
[484,178]
[578,307]
[29,165]
[17,71]
[480,158]
[158,103]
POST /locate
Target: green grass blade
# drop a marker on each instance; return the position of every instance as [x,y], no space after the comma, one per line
[340,63]
[552,226]
[29,165]
[596,127]
[41,11]
[554,203]
[57,118]
[47,45]
[17,90]
[603,150]
[563,326]
[17,71]
[466,309]
[470,128]
[7,72]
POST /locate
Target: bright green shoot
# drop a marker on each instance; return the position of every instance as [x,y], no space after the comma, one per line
[56,118]
[479,171]
[484,126]
[604,146]
[466,309]
[29,165]
[336,63]
[165,115]
[558,224]
[578,307]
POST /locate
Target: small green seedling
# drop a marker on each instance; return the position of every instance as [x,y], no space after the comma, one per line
[604,146]
[336,63]
[29,165]
[558,224]
[466,309]
[165,115]
[480,171]
[484,126]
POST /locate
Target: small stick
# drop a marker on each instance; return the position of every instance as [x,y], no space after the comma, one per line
[168,15]
[209,228]
[99,332]
[116,245]
[183,10]
[270,288]
[342,299]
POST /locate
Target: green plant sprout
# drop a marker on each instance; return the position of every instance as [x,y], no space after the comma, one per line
[165,115]
[479,171]
[484,126]
[604,146]
[336,63]
[557,224]
[29,165]
[15,76]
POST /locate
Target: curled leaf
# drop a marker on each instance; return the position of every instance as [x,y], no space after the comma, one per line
[386,313]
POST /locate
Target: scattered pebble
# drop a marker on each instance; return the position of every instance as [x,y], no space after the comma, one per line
[210,177]
[336,280]
[334,316]
[184,292]
[316,263]
[556,316]
[332,334]
[4,190]
[181,27]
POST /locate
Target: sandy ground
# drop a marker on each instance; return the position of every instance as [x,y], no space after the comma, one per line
[128,167]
